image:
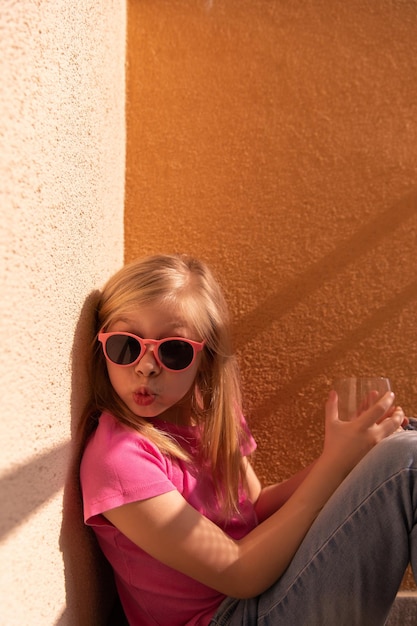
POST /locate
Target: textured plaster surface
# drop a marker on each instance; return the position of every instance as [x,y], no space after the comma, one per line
[278,141]
[62,136]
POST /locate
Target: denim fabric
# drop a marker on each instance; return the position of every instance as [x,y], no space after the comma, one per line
[348,568]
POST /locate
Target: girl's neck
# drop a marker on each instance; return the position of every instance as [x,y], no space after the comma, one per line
[180,414]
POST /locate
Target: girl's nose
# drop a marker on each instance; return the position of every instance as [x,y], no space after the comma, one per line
[147,365]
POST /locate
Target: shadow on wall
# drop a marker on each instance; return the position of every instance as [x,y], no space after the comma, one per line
[370,235]
[330,265]
[90,589]
[44,481]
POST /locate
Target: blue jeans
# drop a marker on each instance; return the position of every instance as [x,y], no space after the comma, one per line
[349,567]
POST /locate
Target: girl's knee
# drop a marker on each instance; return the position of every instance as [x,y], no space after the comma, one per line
[400,448]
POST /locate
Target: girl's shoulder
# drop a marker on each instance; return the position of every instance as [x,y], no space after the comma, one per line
[115,447]
[120,465]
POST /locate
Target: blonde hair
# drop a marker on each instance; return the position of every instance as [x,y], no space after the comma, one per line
[188,286]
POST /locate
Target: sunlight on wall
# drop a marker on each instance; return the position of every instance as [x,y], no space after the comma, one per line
[61,235]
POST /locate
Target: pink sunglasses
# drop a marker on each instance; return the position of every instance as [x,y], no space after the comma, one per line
[175,354]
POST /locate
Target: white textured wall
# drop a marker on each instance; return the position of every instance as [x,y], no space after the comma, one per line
[62,137]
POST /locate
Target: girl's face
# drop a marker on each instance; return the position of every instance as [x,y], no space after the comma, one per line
[148,389]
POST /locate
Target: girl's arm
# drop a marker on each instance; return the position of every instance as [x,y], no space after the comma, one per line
[269,499]
[173,532]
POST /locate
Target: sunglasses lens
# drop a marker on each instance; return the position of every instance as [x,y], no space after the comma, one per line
[176,354]
[122,350]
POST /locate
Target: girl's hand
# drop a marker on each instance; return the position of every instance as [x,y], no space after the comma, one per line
[348,442]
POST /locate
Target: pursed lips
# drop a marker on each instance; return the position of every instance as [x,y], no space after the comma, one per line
[144,396]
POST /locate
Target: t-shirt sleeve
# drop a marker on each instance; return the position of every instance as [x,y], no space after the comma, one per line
[120,466]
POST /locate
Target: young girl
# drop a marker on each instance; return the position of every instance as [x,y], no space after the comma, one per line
[172,497]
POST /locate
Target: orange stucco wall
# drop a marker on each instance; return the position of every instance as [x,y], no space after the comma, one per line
[278,141]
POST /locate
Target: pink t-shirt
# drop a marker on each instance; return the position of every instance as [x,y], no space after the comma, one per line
[121,466]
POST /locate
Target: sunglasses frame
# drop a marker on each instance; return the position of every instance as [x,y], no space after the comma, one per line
[197,346]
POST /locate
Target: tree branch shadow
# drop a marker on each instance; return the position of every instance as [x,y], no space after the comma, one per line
[356,337]
[329,266]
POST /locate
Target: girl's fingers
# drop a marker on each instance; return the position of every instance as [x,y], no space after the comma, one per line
[393,423]
[383,413]
[378,410]
[331,410]
[405,422]
[371,416]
